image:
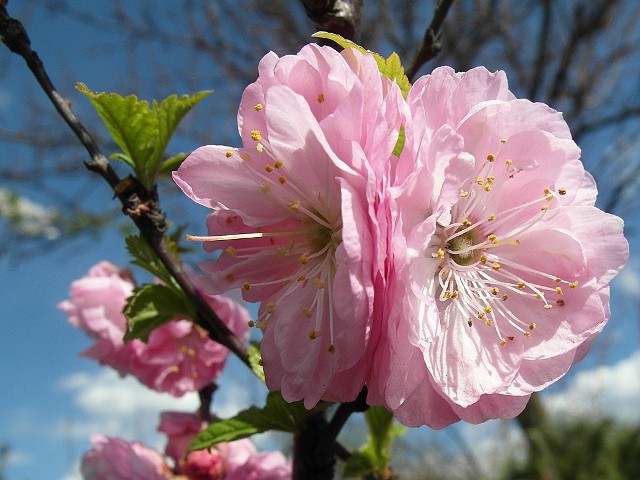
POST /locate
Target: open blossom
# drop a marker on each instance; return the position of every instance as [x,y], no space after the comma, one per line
[296,214]
[178,356]
[230,460]
[502,261]
[117,459]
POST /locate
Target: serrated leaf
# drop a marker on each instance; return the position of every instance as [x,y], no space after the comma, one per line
[140,130]
[254,360]
[145,257]
[391,67]
[277,414]
[150,307]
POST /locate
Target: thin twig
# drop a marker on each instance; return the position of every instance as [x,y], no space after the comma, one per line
[141,205]
[430,45]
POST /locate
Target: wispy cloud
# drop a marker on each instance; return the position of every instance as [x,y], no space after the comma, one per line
[629,279]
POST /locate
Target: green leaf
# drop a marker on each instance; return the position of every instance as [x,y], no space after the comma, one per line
[374,457]
[254,360]
[277,414]
[141,131]
[172,163]
[150,307]
[391,67]
[144,256]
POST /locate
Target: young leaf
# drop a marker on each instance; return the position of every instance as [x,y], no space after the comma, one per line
[254,360]
[374,457]
[144,256]
[150,307]
[171,164]
[277,414]
[141,131]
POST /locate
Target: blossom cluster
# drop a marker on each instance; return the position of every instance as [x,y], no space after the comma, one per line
[116,459]
[177,358]
[442,250]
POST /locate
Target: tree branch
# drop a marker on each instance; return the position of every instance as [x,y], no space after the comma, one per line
[336,16]
[141,205]
[430,45]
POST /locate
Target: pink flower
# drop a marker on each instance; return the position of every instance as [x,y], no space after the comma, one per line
[116,459]
[296,214]
[178,356]
[234,460]
[502,262]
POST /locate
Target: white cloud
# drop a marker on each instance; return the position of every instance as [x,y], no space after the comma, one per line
[629,279]
[610,391]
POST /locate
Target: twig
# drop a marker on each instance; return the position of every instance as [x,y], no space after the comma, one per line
[430,45]
[141,205]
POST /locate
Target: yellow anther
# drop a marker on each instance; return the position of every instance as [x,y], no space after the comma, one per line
[504,297]
[268,168]
[440,253]
[492,217]
[313,334]
[488,323]
[503,342]
[466,222]
[516,242]
[481,315]
[560,302]
[508,162]
[491,180]
[230,277]
[306,312]
[491,157]
[492,238]
[246,285]
[302,278]
[548,307]
[495,291]
[559,291]
[251,324]
[255,135]
[532,325]
[557,280]
[282,180]
[521,285]
[265,187]
[270,307]
[503,140]
[277,163]
[464,193]
[228,154]
[527,334]
[245,156]
[257,107]
[562,191]
[331,348]
[483,260]
[260,148]
[487,188]
[495,266]
[303,260]
[488,309]
[480,181]
[294,205]
[454,294]
[573,284]
[175,369]
[538,297]
[544,208]
[318,283]
[320,98]
[470,322]
[230,251]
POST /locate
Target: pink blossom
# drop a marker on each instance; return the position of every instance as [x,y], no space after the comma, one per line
[296,214]
[502,261]
[262,466]
[116,459]
[178,356]
[180,428]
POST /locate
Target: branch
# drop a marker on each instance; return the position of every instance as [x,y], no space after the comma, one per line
[430,45]
[336,16]
[141,205]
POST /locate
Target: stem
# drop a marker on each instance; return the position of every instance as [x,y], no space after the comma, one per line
[141,205]
[430,45]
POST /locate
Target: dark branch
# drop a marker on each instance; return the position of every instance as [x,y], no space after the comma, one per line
[430,45]
[141,205]
[335,16]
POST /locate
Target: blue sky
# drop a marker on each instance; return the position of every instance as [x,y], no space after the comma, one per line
[52,399]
